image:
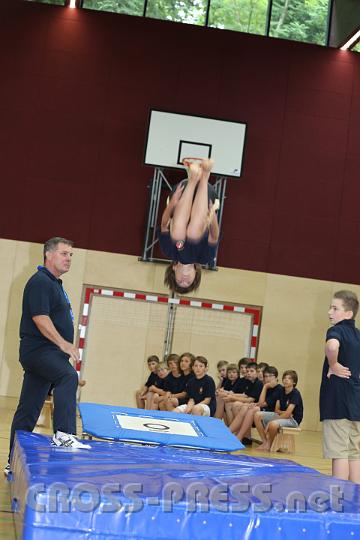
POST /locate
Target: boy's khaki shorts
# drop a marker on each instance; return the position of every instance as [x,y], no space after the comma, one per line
[341,439]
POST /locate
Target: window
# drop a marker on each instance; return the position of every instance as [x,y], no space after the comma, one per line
[186,11]
[356,47]
[57,2]
[241,15]
[300,20]
[129,7]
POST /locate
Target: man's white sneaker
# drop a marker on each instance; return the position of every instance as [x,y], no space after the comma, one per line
[69,441]
[7,470]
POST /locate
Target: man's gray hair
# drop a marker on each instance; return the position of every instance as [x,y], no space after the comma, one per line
[52,244]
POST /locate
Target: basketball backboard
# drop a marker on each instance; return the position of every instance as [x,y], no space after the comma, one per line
[171,137]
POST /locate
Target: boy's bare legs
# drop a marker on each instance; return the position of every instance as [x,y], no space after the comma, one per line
[272,430]
[238,418]
[149,400]
[341,468]
[171,404]
[247,422]
[155,402]
[197,410]
[140,401]
[229,412]
[260,427]
[199,219]
[354,470]
[220,408]
[182,212]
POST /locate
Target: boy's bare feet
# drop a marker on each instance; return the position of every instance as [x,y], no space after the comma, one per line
[194,172]
[264,446]
[207,165]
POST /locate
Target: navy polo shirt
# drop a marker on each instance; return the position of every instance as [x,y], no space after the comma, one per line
[44,295]
[231,386]
[173,384]
[251,389]
[199,389]
[193,252]
[292,398]
[272,395]
[340,398]
[152,379]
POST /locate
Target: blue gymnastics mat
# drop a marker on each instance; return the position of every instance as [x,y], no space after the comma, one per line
[156,427]
[129,492]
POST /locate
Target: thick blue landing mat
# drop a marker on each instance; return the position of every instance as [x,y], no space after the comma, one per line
[157,427]
[121,491]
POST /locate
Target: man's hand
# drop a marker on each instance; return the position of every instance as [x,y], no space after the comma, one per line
[71,350]
[339,370]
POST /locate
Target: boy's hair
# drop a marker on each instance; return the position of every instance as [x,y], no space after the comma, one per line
[271,370]
[232,367]
[153,358]
[202,360]
[172,356]
[221,363]
[243,362]
[170,281]
[292,374]
[161,365]
[262,365]
[189,355]
[350,301]
[252,365]
[52,244]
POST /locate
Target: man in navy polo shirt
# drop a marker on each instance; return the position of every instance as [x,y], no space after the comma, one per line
[46,345]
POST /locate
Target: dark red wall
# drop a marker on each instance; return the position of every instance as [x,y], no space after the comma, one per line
[75,91]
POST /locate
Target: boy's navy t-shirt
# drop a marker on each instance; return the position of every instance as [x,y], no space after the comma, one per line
[231,386]
[223,382]
[199,389]
[292,398]
[340,398]
[44,295]
[175,385]
[188,378]
[253,389]
[153,379]
[272,395]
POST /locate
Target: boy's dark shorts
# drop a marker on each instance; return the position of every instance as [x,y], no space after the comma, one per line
[341,439]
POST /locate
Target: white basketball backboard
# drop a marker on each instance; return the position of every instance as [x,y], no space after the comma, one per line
[173,136]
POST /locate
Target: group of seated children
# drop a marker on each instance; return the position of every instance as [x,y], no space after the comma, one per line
[248,394]
[180,385]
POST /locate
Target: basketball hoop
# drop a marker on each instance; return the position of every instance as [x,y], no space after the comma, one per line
[187,161]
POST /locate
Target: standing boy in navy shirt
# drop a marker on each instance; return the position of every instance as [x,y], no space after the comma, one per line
[340,388]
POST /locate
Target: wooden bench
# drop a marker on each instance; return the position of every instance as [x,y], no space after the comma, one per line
[285,440]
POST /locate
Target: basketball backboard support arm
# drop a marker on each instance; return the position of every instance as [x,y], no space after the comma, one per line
[158,183]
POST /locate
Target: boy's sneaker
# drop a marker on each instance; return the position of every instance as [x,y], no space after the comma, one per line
[67,440]
[7,470]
